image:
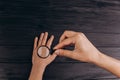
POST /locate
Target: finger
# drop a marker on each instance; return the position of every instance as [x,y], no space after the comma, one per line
[44,38]
[67,34]
[53,56]
[66,53]
[35,43]
[40,39]
[65,42]
[50,41]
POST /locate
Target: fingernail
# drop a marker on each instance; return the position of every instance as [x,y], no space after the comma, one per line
[36,37]
[57,52]
[52,35]
[55,47]
[46,32]
[41,34]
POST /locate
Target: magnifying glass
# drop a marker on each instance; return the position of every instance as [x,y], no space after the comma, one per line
[43,51]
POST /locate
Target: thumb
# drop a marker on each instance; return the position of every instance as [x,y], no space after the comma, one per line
[53,56]
[62,52]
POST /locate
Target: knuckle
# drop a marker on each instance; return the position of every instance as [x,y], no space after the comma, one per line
[63,43]
[48,44]
[49,41]
[61,52]
[66,31]
[80,34]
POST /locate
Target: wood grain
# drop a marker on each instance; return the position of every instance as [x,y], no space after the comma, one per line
[22,20]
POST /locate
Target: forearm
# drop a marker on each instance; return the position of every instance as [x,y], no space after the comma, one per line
[37,73]
[110,64]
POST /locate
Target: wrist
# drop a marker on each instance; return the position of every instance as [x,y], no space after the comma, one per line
[37,72]
[96,58]
[38,66]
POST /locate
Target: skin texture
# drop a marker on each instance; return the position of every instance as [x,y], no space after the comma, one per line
[39,64]
[85,51]
[83,48]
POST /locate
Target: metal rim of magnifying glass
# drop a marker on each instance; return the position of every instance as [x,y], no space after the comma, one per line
[47,48]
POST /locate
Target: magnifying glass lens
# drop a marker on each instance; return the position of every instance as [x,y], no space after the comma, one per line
[43,52]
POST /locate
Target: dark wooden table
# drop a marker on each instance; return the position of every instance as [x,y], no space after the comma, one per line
[22,20]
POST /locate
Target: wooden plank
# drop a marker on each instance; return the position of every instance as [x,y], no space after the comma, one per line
[22,20]
[14,71]
[23,54]
[85,16]
[26,38]
[70,71]
[76,71]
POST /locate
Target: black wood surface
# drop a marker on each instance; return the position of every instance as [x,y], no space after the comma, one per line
[22,20]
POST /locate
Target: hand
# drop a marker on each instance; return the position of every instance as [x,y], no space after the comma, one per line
[36,60]
[84,50]
[39,64]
